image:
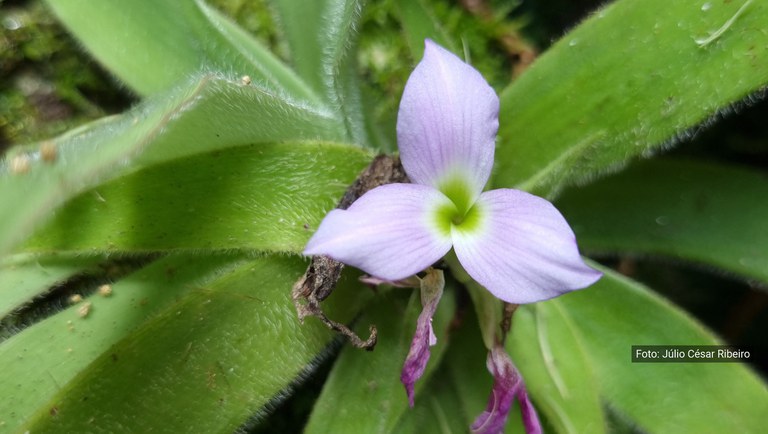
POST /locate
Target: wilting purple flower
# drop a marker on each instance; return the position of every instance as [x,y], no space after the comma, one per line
[507,385]
[418,354]
[518,246]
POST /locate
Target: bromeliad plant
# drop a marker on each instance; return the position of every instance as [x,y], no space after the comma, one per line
[212,186]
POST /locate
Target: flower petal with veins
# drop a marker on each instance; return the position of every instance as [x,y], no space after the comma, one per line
[447,125]
[521,249]
[389,232]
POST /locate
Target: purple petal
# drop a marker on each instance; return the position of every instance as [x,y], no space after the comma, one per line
[447,123]
[506,385]
[521,249]
[389,232]
[418,354]
[530,418]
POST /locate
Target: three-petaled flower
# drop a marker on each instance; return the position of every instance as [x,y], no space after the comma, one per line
[516,245]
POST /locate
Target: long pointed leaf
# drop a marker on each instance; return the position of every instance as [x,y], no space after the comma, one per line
[419,24]
[50,354]
[319,34]
[206,363]
[266,197]
[23,276]
[207,114]
[684,209]
[153,45]
[322,36]
[615,314]
[632,77]
[556,369]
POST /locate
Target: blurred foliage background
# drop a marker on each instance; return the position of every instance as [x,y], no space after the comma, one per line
[49,85]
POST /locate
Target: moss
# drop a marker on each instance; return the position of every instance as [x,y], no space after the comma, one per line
[49,85]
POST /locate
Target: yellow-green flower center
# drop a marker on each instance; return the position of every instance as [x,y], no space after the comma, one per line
[459,193]
[460,213]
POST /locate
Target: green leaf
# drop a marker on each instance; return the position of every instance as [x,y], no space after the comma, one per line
[319,34]
[363,393]
[210,113]
[206,362]
[616,313]
[690,210]
[24,276]
[556,369]
[303,28]
[438,409]
[221,113]
[322,36]
[268,197]
[629,79]
[465,362]
[153,45]
[418,24]
[48,355]
[488,309]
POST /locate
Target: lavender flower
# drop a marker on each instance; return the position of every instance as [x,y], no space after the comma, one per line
[516,245]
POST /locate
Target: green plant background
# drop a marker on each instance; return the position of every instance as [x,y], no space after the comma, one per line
[193,203]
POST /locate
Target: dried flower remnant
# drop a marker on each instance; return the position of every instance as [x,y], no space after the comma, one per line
[507,386]
[320,279]
[418,355]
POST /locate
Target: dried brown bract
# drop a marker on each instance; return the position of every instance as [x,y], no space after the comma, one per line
[323,273]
